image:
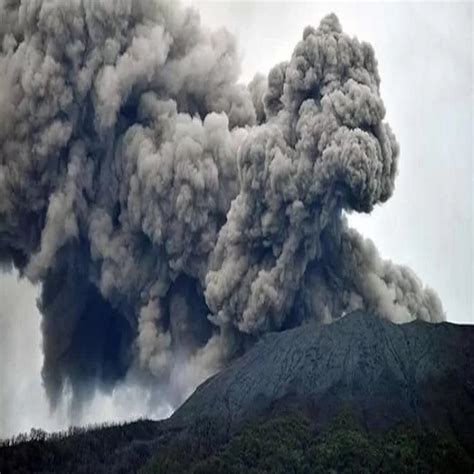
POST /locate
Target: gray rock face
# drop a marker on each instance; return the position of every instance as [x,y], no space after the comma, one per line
[418,372]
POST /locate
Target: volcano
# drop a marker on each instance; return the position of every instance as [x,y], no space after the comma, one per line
[388,389]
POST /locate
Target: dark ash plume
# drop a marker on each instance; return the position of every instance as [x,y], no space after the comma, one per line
[173,215]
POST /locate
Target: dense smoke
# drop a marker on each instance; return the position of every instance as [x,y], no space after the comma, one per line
[172,215]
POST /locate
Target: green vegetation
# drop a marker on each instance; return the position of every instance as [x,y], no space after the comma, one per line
[102,448]
[290,444]
[282,443]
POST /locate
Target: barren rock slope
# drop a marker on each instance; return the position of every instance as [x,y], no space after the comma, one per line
[384,373]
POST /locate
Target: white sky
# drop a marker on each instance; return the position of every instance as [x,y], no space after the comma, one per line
[425,55]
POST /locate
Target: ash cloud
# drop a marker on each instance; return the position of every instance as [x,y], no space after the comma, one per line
[173,215]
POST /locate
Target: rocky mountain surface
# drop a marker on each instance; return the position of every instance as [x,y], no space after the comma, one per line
[383,372]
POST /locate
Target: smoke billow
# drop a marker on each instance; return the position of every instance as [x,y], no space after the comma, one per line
[173,215]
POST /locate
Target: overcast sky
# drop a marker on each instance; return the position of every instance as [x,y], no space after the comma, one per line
[425,55]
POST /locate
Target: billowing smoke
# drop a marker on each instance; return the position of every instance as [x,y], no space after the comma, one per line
[172,215]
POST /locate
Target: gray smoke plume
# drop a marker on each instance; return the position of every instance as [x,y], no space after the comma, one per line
[172,215]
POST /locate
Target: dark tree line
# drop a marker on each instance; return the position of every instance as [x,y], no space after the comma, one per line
[102,448]
[283,441]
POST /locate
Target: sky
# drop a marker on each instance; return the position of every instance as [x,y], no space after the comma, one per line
[425,56]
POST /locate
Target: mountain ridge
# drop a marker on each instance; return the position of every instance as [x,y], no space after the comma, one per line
[360,359]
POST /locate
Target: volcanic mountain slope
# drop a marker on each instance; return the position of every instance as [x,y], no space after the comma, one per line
[386,373]
[404,393]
